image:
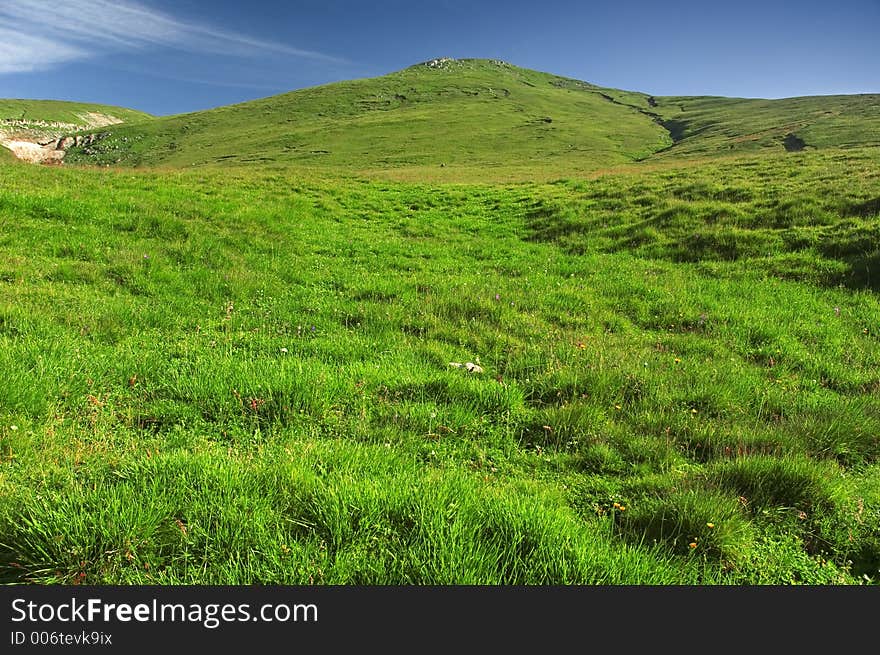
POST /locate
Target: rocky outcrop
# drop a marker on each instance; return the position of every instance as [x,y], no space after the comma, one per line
[13,124]
[51,151]
[440,62]
[79,141]
[33,153]
[39,141]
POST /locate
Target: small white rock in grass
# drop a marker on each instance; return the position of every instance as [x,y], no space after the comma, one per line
[469,366]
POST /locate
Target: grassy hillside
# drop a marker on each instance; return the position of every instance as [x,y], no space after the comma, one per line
[58,111]
[30,127]
[483,119]
[708,125]
[475,114]
[243,376]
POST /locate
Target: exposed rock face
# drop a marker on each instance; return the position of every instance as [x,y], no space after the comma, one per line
[34,152]
[38,141]
[49,151]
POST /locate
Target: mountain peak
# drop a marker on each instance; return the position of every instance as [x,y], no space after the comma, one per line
[439,62]
[446,63]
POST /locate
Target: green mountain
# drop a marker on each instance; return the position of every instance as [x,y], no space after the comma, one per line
[485,117]
[465,113]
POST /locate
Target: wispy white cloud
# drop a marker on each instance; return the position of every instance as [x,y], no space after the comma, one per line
[21,52]
[77,29]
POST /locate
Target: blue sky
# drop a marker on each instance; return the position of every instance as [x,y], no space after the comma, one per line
[173,56]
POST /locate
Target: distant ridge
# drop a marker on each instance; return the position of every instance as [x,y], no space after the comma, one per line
[32,129]
[481,114]
[441,113]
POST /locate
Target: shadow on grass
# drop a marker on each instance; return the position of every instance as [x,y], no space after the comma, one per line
[675,128]
[864,209]
[793,143]
[10,573]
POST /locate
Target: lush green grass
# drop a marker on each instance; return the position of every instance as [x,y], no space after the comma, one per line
[787,212]
[237,376]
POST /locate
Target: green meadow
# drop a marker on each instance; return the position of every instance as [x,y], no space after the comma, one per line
[244,374]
